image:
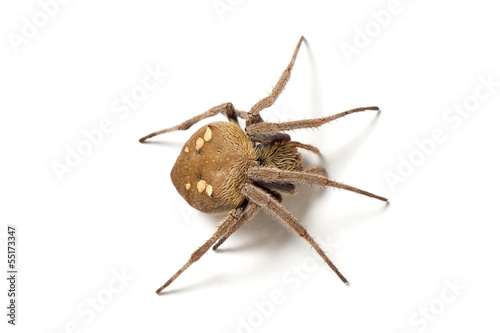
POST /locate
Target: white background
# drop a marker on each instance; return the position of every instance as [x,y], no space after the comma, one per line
[117,212]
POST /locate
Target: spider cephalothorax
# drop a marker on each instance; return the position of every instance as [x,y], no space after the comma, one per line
[225,169]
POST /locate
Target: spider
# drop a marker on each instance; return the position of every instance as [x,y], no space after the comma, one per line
[223,169]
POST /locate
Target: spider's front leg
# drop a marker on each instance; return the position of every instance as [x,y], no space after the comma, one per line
[277,89]
[226,108]
[263,129]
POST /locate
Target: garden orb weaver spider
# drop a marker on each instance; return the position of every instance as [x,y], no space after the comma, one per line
[223,169]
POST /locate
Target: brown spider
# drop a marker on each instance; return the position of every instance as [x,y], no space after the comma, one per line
[223,169]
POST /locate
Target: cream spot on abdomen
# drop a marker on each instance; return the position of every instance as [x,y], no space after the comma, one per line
[208,134]
[201,186]
[209,190]
[199,143]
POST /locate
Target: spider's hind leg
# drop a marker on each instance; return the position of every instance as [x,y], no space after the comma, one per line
[249,214]
[234,216]
[270,205]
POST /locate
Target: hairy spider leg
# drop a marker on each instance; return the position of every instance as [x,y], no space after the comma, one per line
[272,206]
[250,213]
[226,108]
[277,89]
[280,137]
[260,131]
[232,218]
[305,146]
[241,213]
[287,176]
[316,169]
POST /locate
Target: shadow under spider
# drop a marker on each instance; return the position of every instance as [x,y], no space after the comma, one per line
[267,233]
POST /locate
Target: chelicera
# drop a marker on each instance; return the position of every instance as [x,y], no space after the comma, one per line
[223,169]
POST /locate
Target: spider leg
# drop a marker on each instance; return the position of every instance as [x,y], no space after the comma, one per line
[280,137]
[274,189]
[263,128]
[226,108]
[271,137]
[316,169]
[249,214]
[278,88]
[278,175]
[311,148]
[266,201]
[234,216]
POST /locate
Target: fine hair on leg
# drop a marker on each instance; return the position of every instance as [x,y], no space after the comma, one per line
[249,214]
[226,108]
[280,85]
[309,178]
[262,128]
[316,169]
[305,146]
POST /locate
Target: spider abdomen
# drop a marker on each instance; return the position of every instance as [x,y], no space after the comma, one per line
[211,167]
